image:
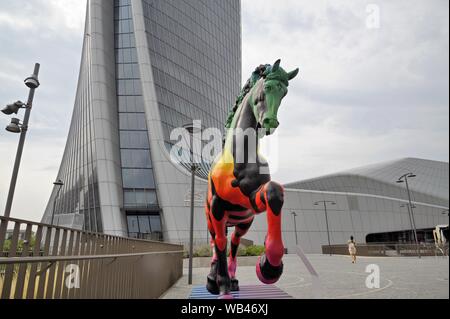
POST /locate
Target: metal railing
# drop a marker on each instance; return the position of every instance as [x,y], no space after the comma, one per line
[389,249]
[154,236]
[58,263]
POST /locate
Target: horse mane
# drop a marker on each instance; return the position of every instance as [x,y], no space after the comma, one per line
[259,73]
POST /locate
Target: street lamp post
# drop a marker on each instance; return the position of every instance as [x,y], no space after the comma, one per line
[401,179]
[191,129]
[191,227]
[410,219]
[294,214]
[326,218]
[60,184]
[31,82]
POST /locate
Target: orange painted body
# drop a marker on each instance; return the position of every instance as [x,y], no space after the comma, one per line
[222,175]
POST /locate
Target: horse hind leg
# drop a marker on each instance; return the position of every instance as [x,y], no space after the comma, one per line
[270,265]
[239,231]
[211,279]
[218,221]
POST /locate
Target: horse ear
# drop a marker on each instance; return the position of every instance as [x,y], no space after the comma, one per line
[276,65]
[293,74]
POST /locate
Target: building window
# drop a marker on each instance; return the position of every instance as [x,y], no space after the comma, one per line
[133,226]
[134,139]
[135,158]
[138,178]
[144,226]
[134,198]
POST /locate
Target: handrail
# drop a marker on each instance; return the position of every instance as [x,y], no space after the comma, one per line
[27,222]
[399,249]
[25,260]
[35,263]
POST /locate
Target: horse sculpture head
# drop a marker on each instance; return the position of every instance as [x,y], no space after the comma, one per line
[267,94]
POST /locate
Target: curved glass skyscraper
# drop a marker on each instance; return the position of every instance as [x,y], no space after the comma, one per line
[148,66]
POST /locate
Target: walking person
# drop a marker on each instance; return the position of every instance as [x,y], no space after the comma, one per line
[352,249]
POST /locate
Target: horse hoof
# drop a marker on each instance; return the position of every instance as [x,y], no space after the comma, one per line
[224,284]
[267,273]
[226,296]
[234,284]
[211,286]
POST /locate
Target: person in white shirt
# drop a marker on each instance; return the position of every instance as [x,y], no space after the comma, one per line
[352,249]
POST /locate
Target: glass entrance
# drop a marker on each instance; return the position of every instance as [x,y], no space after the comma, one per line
[144,226]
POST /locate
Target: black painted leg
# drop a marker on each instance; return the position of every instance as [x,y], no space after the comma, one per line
[211,280]
[223,279]
[234,284]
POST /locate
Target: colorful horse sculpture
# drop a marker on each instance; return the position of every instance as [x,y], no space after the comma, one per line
[239,184]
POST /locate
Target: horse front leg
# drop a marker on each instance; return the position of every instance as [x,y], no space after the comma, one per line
[218,221]
[239,231]
[211,279]
[270,265]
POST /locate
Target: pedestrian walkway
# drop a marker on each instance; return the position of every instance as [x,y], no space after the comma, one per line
[399,277]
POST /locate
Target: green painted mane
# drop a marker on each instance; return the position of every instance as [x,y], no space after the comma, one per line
[268,72]
[259,72]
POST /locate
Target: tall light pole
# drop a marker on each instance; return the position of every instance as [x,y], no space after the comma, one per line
[324,202]
[294,214]
[60,184]
[404,179]
[192,130]
[31,82]
[410,219]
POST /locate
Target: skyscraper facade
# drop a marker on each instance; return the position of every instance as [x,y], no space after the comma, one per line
[148,66]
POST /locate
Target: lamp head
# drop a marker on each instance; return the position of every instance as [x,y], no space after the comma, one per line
[192,128]
[32,82]
[13,108]
[14,126]
[58,183]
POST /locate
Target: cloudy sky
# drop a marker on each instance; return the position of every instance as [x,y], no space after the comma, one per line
[373,84]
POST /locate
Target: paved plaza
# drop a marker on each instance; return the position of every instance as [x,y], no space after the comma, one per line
[400,277]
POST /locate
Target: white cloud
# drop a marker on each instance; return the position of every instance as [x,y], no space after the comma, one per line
[9,21]
[363,95]
[40,17]
[69,13]
[49,32]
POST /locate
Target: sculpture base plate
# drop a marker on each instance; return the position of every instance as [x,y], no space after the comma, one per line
[245,292]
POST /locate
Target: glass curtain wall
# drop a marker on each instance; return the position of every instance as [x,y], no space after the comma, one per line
[137,171]
[195,49]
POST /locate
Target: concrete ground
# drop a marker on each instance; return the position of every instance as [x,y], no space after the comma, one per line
[400,277]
